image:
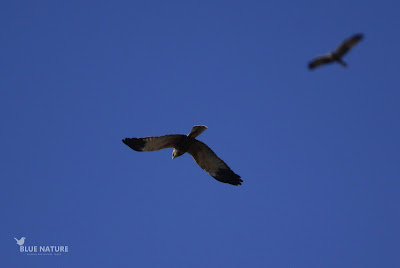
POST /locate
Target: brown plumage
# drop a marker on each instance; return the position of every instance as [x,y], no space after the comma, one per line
[201,153]
[336,55]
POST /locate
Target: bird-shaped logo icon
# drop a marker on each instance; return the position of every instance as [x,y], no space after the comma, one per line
[21,241]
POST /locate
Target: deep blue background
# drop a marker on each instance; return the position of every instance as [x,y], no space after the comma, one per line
[318,151]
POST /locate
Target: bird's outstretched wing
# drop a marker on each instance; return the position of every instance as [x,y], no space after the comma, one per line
[196,131]
[153,143]
[347,44]
[211,163]
[324,59]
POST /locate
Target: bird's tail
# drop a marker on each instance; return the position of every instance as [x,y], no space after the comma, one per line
[344,64]
[16,239]
[196,131]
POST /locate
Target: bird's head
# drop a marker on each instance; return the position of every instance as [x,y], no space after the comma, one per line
[176,153]
[23,238]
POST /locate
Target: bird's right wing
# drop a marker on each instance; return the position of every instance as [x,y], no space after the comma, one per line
[196,131]
[321,60]
[153,143]
[211,163]
[347,44]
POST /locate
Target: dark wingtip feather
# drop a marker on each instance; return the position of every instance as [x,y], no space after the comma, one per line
[228,176]
[359,36]
[134,143]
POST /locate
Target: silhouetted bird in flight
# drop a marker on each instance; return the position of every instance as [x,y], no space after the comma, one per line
[201,153]
[336,55]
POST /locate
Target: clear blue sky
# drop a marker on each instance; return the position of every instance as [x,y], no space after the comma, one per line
[318,151]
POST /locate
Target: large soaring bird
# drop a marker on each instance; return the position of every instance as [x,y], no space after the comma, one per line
[336,55]
[201,153]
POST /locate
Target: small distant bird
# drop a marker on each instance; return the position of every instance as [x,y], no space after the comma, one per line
[336,55]
[21,241]
[201,153]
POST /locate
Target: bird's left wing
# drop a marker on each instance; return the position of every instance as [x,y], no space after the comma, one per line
[211,163]
[321,60]
[153,143]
